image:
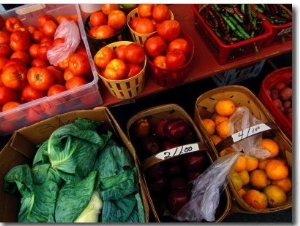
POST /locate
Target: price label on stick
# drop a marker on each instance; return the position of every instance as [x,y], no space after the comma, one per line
[250,132]
[180,150]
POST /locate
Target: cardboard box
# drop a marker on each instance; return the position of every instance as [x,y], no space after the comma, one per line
[21,149]
[84,97]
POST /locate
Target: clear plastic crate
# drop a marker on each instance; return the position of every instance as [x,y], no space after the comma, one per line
[84,97]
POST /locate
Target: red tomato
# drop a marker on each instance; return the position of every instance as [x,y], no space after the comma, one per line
[29,93]
[37,36]
[104,31]
[63,65]
[98,18]
[58,74]
[7,95]
[133,69]
[33,50]
[61,18]
[5,50]
[3,61]
[144,26]
[58,41]
[55,89]
[145,10]
[68,74]
[155,46]
[43,18]
[75,82]
[12,23]
[134,53]
[169,30]
[42,50]
[10,105]
[133,22]
[14,76]
[107,8]
[116,69]
[31,28]
[181,44]
[161,13]
[175,59]
[39,62]
[13,61]
[116,19]
[160,61]
[120,52]
[22,55]
[93,31]
[4,37]
[35,114]
[20,40]
[79,64]
[40,78]
[50,109]
[103,56]
[49,28]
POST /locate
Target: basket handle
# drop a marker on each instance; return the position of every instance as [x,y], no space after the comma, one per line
[173,152]
[243,134]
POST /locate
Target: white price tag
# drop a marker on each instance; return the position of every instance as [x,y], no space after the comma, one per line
[180,150]
[249,132]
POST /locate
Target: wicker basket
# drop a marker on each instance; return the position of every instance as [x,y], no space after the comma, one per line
[169,111]
[241,96]
[138,37]
[125,88]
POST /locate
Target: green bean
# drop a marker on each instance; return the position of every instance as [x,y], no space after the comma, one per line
[229,23]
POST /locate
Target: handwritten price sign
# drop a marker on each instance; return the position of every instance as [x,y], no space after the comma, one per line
[184,149]
[249,132]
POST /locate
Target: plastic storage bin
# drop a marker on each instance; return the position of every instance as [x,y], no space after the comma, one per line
[228,53]
[83,97]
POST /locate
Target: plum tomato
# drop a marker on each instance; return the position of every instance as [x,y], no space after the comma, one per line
[40,78]
[135,53]
[181,44]
[98,18]
[14,76]
[116,19]
[155,45]
[103,56]
[161,13]
[8,94]
[175,59]
[169,30]
[116,69]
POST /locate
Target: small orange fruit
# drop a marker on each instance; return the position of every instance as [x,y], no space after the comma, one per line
[222,129]
[262,163]
[285,184]
[259,179]
[251,163]
[219,118]
[226,151]
[275,195]
[271,146]
[276,169]
[209,125]
[256,199]
[236,180]
[215,139]
[240,163]
[225,107]
[244,175]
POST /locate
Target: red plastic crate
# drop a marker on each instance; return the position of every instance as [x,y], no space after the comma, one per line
[282,75]
[225,53]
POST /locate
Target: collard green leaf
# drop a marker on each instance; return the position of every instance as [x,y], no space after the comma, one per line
[73,198]
[41,155]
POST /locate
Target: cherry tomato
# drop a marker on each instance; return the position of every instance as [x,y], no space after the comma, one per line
[40,78]
[116,69]
[145,10]
[107,8]
[161,13]
[144,26]
[133,69]
[160,61]
[175,59]
[4,37]
[7,95]
[169,30]
[12,23]
[155,46]
[20,40]
[116,19]
[181,44]
[55,89]
[14,76]
[75,82]
[134,53]
[98,18]
[79,64]
[103,56]
[104,31]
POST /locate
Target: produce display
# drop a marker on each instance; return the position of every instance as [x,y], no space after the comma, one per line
[275,13]
[76,177]
[232,22]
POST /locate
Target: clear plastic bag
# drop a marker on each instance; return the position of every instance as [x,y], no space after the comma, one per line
[70,32]
[205,195]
